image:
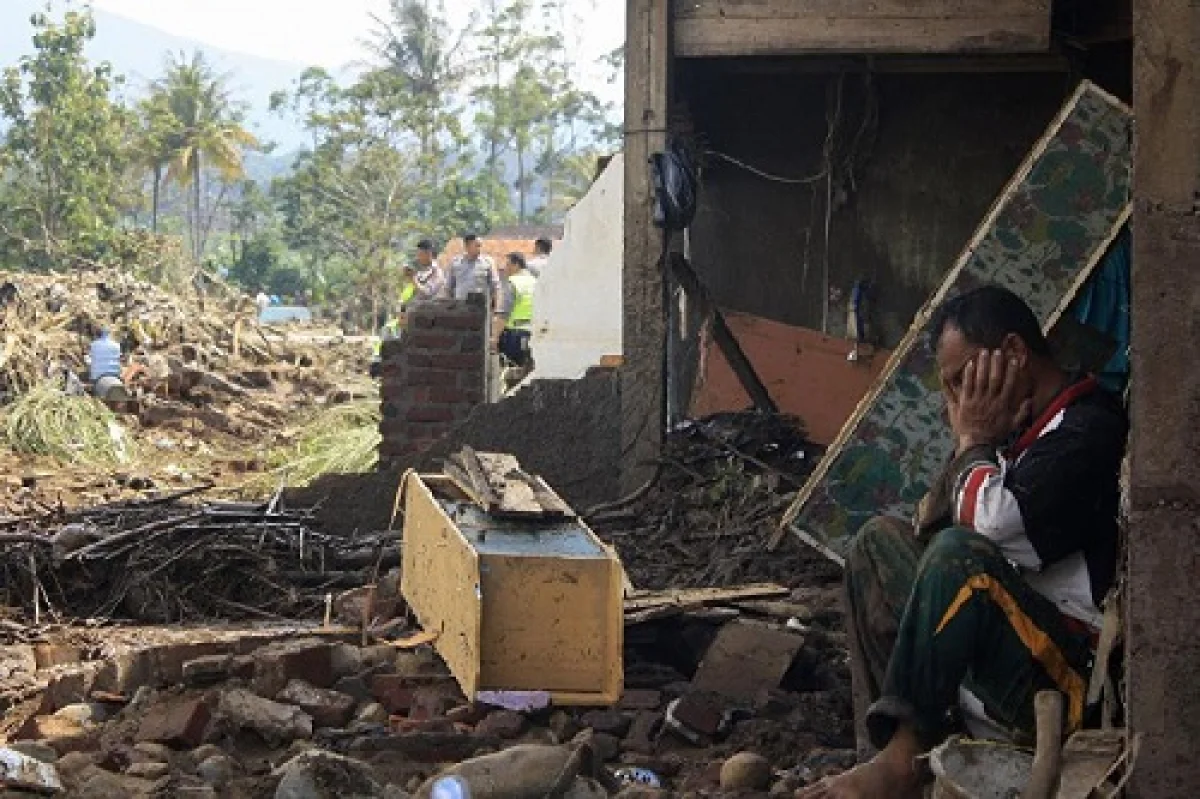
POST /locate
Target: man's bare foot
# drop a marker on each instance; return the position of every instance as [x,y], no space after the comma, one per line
[891,774]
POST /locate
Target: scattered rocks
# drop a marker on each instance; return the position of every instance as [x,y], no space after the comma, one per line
[345,661]
[564,726]
[85,714]
[307,659]
[19,770]
[96,783]
[372,713]
[606,747]
[180,724]
[394,692]
[275,722]
[148,770]
[208,670]
[746,771]
[607,721]
[327,708]
[318,774]
[216,770]
[153,751]
[38,750]
[504,724]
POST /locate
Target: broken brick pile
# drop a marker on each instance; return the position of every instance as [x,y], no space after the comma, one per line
[432,377]
[258,715]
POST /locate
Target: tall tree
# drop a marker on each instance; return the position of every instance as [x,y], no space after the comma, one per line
[208,134]
[64,157]
[154,148]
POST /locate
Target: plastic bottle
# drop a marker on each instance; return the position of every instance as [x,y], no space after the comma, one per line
[453,787]
[105,358]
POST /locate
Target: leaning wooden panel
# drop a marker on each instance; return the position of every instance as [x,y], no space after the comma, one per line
[1042,238]
[795,27]
[519,605]
[440,581]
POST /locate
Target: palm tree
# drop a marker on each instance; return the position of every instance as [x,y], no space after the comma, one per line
[208,133]
[155,146]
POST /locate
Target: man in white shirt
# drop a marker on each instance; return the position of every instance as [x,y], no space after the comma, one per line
[475,273]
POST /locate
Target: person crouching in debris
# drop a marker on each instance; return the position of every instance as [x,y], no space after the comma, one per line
[996,596]
[518,310]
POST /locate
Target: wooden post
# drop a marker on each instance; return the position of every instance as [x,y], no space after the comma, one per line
[647,62]
[1164,484]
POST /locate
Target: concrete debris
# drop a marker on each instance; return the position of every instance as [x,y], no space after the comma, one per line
[181,724]
[22,771]
[745,658]
[327,708]
[275,722]
[216,770]
[324,775]
[520,771]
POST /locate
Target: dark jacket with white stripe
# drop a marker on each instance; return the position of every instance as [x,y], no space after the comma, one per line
[1050,501]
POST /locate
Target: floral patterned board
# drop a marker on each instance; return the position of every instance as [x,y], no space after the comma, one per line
[1042,238]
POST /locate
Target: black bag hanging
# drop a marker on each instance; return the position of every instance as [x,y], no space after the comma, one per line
[674,177]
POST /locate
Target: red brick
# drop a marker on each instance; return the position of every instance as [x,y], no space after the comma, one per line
[471,344]
[394,692]
[429,340]
[469,320]
[433,377]
[430,413]
[180,724]
[449,394]
[421,359]
[460,360]
[307,659]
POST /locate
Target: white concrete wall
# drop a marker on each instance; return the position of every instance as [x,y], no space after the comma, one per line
[577,303]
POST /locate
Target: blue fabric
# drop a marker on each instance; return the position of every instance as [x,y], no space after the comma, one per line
[1104,302]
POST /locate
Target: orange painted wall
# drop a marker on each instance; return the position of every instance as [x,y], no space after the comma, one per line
[806,373]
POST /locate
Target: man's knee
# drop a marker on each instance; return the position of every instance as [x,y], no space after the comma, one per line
[956,546]
[877,540]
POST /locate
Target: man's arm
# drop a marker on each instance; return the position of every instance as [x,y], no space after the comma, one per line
[1030,510]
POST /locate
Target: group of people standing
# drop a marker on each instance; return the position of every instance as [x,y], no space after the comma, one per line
[508,290]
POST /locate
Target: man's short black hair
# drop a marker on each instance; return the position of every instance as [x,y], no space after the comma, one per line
[543,246]
[425,244]
[517,258]
[470,237]
[985,316]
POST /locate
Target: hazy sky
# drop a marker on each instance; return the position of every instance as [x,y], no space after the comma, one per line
[328,32]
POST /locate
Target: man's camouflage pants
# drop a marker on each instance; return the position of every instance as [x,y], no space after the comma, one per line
[923,624]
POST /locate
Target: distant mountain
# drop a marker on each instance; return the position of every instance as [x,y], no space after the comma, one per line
[139,51]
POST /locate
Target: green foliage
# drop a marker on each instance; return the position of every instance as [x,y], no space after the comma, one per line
[64,152]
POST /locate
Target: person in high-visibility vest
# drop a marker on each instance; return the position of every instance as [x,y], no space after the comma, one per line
[514,340]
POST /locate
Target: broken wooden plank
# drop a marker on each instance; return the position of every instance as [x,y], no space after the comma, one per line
[1043,237]
[706,28]
[1088,760]
[702,597]
[745,658]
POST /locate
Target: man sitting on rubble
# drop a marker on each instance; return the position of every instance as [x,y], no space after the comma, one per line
[995,595]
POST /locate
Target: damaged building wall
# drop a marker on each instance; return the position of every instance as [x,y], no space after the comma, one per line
[917,159]
[1164,531]
[567,431]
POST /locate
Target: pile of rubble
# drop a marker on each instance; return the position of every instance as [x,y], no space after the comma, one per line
[721,488]
[312,713]
[212,390]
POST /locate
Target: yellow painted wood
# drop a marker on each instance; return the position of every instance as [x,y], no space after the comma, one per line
[439,580]
[536,623]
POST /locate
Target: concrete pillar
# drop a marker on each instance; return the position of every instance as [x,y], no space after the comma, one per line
[647,59]
[1163,608]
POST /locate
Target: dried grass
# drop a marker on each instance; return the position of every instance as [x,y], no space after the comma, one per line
[73,429]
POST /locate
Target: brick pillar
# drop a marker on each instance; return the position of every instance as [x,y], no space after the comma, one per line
[432,377]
